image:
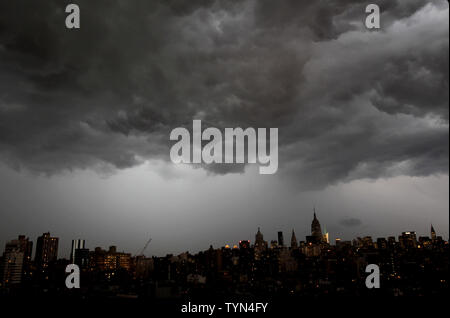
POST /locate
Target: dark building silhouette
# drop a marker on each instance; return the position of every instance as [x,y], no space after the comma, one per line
[46,250]
[26,247]
[294,243]
[79,254]
[260,244]
[16,261]
[316,230]
[382,243]
[433,233]
[244,244]
[76,245]
[408,240]
[280,239]
[82,258]
[273,244]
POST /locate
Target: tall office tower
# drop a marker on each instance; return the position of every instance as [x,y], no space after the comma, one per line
[294,243]
[433,233]
[280,239]
[25,246]
[12,267]
[76,245]
[16,260]
[260,244]
[46,250]
[316,230]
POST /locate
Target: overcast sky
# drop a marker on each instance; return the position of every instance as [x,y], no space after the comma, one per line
[85,118]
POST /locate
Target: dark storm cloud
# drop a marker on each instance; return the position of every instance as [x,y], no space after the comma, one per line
[350,222]
[348,103]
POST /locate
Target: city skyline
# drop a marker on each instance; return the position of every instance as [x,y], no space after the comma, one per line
[231,244]
[409,265]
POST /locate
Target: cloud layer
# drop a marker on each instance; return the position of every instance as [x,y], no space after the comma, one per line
[349,103]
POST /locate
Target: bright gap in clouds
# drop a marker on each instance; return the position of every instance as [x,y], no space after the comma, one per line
[171,203]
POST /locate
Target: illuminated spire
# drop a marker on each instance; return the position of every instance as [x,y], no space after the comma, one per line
[325,237]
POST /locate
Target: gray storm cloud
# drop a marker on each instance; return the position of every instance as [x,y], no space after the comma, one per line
[350,222]
[349,103]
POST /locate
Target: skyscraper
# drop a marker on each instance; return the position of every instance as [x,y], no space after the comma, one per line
[294,243]
[12,267]
[260,244]
[316,230]
[79,254]
[24,245]
[76,245]
[16,260]
[280,239]
[46,250]
[433,233]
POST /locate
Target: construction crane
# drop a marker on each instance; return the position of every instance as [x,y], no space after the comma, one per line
[145,246]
